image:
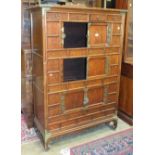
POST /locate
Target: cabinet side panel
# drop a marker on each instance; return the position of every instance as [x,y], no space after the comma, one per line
[37,47]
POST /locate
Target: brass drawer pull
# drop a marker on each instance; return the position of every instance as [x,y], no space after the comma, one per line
[97,34]
[118,28]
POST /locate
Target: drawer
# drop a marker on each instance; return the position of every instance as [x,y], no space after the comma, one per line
[115,70]
[55,16]
[97,18]
[95,95]
[54,110]
[81,112]
[78,17]
[54,42]
[97,34]
[112,50]
[53,65]
[53,28]
[112,98]
[96,66]
[54,99]
[116,28]
[80,120]
[74,100]
[115,41]
[54,78]
[116,18]
[114,59]
[112,87]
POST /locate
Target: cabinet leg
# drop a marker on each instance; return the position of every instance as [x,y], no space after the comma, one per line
[113,124]
[46,147]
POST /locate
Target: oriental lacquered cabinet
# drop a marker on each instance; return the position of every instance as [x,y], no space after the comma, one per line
[77,56]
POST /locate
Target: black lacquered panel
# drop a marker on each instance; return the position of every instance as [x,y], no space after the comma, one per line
[75,35]
[74,69]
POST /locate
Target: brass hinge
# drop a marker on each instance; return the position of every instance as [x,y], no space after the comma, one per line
[88,37]
[107,65]
[105,94]
[109,33]
[62,102]
[86,99]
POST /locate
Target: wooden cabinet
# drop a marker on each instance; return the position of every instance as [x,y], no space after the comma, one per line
[126,86]
[26,63]
[76,67]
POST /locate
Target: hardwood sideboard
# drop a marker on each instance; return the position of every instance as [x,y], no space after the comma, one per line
[77,55]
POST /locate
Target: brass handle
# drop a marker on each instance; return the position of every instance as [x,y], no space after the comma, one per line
[118,28]
[51,74]
[97,34]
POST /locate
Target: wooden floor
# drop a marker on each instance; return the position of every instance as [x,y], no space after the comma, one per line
[58,145]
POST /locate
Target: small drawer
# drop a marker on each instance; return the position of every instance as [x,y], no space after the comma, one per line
[54,16]
[54,42]
[54,99]
[54,110]
[116,28]
[114,18]
[53,65]
[54,78]
[112,98]
[78,17]
[97,18]
[53,28]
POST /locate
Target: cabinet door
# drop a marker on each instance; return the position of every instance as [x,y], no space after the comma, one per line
[97,34]
[54,38]
[96,66]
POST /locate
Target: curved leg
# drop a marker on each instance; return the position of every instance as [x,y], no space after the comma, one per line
[113,124]
[46,143]
[46,146]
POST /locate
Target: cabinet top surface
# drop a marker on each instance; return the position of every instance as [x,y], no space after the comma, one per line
[75,7]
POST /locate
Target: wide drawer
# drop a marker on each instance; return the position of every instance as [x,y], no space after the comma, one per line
[78,17]
[97,18]
[55,16]
[80,119]
[114,18]
[79,112]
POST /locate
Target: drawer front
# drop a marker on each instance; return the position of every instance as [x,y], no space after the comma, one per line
[78,116]
[74,100]
[53,65]
[116,28]
[54,78]
[114,18]
[78,17]
[97,35]
[54,110]
[55,16]
[97,18]
[96,66]
[95,95]
[115,41]
[54,99]
[71,123]
[53,28]
[54,42]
